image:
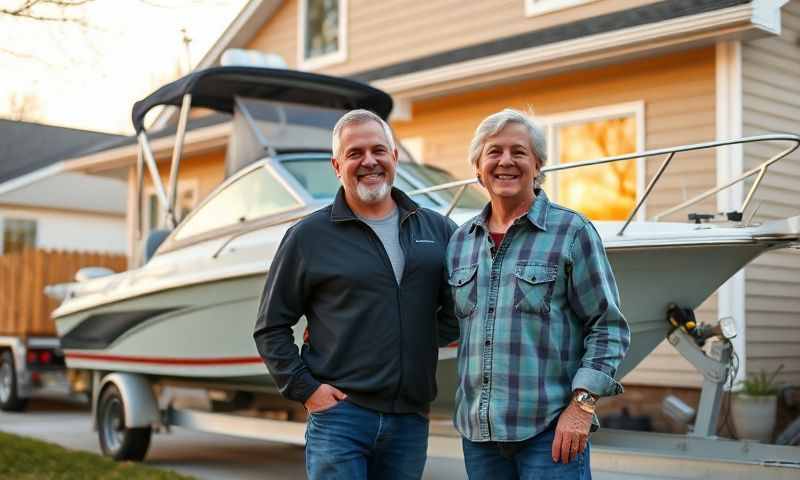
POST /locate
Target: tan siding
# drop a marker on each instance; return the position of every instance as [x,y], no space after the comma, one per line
[279,34]
[208,170]
[771,103]
[679,96]
[391,31]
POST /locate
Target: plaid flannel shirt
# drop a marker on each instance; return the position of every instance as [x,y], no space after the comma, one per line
[538,320]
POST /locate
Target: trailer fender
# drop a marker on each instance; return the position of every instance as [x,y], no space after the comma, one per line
[139,401]
[18,350]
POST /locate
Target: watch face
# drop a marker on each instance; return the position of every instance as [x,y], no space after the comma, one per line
[585,398]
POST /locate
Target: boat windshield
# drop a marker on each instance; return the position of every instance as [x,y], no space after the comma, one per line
[252,196]
[316,176]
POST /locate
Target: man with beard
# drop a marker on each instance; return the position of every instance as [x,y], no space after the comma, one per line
[542,332]
[368,273]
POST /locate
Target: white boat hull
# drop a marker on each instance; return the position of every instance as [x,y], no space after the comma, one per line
[203,331]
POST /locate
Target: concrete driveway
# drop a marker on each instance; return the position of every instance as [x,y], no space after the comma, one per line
[201,455]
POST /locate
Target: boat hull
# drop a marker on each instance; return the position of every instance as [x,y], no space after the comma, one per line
[203,332]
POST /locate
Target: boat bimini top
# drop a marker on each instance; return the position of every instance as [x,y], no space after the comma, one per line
[273,110]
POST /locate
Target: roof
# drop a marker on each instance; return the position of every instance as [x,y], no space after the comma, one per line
[26,147]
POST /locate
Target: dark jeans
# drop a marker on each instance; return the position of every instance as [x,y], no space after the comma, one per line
[526,460]
[350,442]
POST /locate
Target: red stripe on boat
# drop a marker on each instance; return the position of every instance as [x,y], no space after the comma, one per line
[165,360]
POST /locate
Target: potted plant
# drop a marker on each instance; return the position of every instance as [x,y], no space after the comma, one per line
[754,406]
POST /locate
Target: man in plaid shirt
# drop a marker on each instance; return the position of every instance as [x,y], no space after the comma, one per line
[542,333]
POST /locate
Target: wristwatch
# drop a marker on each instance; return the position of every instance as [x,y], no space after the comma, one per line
[585,401]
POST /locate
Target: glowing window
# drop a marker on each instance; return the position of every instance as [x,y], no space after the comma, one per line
[601,192]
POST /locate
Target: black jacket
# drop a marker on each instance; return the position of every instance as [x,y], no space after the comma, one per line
[373,340]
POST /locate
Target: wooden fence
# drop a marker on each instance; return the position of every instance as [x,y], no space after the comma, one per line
[24,308]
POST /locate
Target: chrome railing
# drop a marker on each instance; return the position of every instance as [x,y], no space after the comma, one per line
[670,154]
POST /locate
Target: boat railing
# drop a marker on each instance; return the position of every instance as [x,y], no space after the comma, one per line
[670,154]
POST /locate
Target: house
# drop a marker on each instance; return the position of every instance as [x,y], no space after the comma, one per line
[604,76]
[44,206]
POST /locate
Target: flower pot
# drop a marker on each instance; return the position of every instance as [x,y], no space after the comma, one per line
[754,416]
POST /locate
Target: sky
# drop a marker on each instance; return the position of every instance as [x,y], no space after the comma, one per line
[89,77]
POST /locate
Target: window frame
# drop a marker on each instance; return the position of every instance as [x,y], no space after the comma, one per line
[332,58]
[4,219]
[540,7]
[636,108]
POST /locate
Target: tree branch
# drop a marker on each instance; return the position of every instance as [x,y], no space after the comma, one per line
[5,51]
[26,11]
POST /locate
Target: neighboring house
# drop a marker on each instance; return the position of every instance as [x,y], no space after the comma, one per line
[44,206]
[604,76]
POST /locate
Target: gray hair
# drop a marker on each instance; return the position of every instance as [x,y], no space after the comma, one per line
[495,122]
[357,117]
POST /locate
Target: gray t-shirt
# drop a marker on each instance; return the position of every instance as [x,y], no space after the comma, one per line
[388,230]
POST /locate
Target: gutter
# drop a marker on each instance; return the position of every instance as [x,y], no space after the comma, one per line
[30,178]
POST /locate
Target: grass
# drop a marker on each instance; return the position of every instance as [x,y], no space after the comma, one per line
[24,458]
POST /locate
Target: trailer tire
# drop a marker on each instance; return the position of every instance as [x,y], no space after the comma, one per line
[10,400]
[117,441]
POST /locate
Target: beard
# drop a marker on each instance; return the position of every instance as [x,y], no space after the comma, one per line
[374,194]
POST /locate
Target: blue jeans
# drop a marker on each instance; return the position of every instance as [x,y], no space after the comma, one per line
[526,460]
[349,442]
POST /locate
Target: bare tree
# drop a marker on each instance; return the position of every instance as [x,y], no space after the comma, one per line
[47,10]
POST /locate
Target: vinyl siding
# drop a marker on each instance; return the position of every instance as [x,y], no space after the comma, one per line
[391,31]
[771,104]
[678,92]
[71,229]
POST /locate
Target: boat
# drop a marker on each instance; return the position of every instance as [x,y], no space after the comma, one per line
[187,314]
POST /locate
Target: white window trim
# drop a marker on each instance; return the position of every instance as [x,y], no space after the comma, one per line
[182,186]
[333,58]
[600,113]
[731,296]
[539,7]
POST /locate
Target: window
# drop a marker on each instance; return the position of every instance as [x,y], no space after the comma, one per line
[251,196]
[322,27]
[185,201]
[18,234]
[601,192]
[538,7]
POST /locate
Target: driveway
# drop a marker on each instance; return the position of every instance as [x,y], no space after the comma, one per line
[202,455]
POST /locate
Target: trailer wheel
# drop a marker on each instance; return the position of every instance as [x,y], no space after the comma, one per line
[10,400]
[117,441]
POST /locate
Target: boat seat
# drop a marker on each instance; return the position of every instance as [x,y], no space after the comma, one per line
[154,240]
